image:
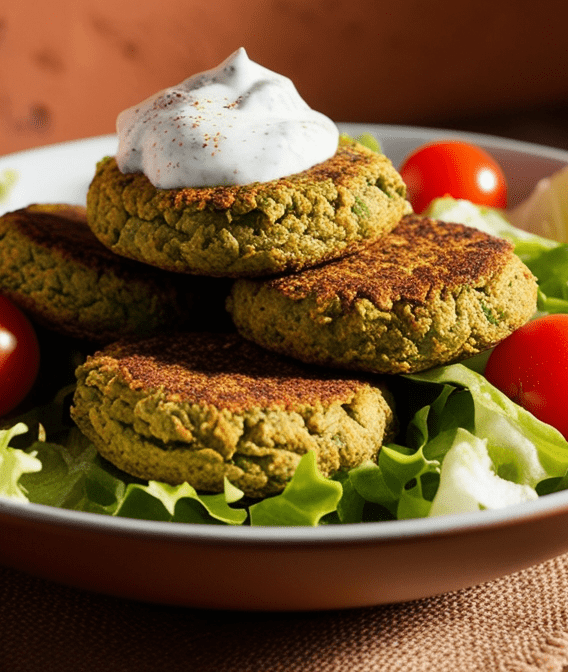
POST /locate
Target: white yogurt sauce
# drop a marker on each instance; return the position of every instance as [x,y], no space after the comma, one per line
[235,124]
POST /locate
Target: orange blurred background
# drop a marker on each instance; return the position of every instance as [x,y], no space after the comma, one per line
[68,67]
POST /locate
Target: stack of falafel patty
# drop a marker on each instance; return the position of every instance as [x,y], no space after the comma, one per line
[332,284]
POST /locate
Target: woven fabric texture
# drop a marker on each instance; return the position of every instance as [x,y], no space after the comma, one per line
[515,624]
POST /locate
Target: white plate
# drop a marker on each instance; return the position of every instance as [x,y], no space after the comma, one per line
[276,568]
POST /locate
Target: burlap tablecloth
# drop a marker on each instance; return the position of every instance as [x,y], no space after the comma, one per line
[515,624]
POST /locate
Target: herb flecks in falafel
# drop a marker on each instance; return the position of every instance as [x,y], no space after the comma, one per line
[426,294]
[202,407]
[302,220]
[53,267]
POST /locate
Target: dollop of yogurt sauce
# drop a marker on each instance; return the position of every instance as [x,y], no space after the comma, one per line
[235,124]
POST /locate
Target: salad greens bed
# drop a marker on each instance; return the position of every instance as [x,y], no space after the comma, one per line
[464,446]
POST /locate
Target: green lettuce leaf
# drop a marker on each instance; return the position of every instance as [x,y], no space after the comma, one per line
[307,498]
[405,478]
[467,446]
[530,450]
[14,463]
[551,269]
[470,481]
[521,449]
[369,141]
[366,139]
[73,476]
[181,503]
[396,481]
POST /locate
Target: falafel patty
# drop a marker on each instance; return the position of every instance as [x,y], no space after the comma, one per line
[53,266]
[253,230]
[428,293]
[201,407]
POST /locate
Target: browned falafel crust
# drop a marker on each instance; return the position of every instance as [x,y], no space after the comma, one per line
[426,294]
[252,230]
[202,407]
[53,266]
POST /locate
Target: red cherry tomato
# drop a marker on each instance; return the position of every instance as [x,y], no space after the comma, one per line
[453,168]
[531,367]
[19,356]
